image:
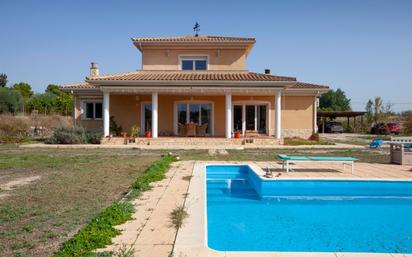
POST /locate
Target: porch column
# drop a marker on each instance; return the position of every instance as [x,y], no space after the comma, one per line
[228,115]
[243,119]
[278,115]
[154,114]
[315,115]
[106,114]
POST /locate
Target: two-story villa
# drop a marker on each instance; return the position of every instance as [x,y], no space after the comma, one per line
[197,86]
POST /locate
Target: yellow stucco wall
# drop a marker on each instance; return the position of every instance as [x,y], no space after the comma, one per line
[227,59]
[297,112]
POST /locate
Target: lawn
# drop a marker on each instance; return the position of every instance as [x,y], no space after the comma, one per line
[71,186]
[74,185]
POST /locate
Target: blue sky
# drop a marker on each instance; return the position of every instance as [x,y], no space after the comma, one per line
[363,47]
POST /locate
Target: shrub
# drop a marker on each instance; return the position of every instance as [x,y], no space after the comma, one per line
[73,135]
[301,141]
[93,137]
[114,128]
[68,135]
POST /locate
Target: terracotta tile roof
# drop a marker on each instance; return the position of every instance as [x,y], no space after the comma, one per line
[83,85]
[308,85]
[194,39]
[193,76]
[189,76]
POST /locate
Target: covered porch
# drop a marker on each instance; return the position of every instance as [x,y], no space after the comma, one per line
[189,114]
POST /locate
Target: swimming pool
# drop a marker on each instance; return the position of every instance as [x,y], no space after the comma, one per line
[246,213]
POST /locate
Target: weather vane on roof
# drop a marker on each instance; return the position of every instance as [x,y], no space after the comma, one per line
[196,29]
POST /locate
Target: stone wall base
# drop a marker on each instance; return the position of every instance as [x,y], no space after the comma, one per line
[302,133]
[185,141]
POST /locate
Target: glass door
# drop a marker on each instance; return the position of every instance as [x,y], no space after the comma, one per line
[250,117]
[261,119]
[237,117]
[206,116]
[196,113]
[147,117]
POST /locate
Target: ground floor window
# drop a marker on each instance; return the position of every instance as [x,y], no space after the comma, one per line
[92,110]
[251,117]
[194,113]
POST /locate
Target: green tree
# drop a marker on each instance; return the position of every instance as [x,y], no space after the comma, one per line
[369,112]
[10,101]
[376,111]
[24,89]
[3,80]
[54,89]
[43,103]
[334,101]
[63,102]
[53,100]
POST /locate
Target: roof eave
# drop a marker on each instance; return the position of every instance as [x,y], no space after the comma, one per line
[188,82]
[140,45]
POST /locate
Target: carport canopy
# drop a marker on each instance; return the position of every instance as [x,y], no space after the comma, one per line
[339,114]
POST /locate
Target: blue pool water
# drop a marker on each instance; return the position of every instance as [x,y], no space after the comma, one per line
[245,213]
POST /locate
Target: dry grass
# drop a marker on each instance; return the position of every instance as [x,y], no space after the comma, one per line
[74,186]
[17,129]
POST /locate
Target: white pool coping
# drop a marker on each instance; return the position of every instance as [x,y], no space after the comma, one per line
[191,240]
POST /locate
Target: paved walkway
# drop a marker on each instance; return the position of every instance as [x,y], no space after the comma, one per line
[151,232]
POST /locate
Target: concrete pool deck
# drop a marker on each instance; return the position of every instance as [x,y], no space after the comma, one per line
[150,232]
[191,239]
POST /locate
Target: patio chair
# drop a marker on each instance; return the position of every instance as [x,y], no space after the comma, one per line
[181,129]
[376,143]
[201,130]
[190,130]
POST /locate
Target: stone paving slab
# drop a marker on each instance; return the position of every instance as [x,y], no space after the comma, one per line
[151,232]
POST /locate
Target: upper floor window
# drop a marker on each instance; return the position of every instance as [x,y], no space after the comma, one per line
[193,63]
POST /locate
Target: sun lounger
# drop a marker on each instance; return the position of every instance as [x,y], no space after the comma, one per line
[286,159]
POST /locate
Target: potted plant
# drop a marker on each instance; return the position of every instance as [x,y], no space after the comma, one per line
[148,133]
[134,131]
[236,134]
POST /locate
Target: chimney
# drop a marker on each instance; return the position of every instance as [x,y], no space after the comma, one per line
[267,71]
[94,70]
